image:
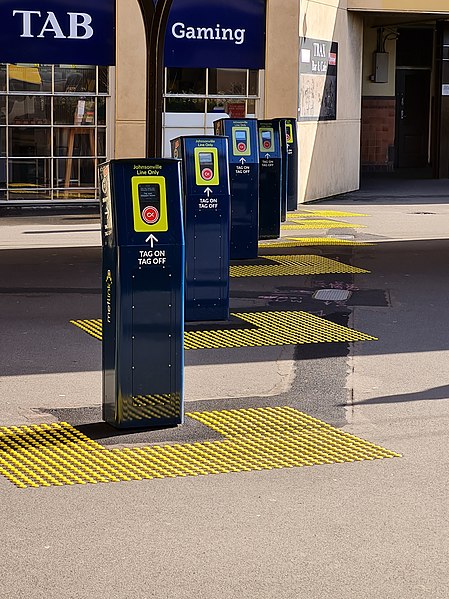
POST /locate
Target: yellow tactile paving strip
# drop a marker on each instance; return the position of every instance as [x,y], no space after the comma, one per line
[329,213]
[311,223]
[255,439]
[309,241]
[293,266]
[273,328]
[93,326]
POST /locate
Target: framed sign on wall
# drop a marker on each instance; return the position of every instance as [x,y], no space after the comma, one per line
[317,80]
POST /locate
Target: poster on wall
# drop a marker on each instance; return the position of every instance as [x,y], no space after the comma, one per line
[317,80]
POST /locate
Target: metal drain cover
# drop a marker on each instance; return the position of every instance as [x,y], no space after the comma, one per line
[332,295]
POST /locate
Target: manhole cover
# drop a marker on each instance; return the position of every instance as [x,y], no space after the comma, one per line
[332,295]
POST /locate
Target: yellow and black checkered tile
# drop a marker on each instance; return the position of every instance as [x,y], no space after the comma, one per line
[312,223]
[270,329]
[288,242]
[254,439]
[93,327]
[293,266]
[325,213]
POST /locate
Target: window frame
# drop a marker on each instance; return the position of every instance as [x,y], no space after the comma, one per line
[10,190]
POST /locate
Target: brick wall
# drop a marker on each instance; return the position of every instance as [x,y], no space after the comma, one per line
[377,133]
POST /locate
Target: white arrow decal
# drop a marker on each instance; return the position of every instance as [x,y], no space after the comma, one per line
[242,160]
[151,238]
[208,191]
[267,156]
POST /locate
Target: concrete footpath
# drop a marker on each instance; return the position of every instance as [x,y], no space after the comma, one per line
[363,529]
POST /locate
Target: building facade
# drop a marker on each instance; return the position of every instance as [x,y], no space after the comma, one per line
[368,81]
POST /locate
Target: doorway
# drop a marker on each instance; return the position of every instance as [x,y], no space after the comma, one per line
[414,57]
[412,118]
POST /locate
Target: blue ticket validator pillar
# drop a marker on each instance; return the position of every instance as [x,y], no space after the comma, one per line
[270,179]
[143,292]
[207,213]
[244,179]
[289,151]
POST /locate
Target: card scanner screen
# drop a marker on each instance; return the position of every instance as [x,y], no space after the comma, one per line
[206,159]
[266,136]
[149,193]
[149,201]
[266,139]
[206,165]
[240,136]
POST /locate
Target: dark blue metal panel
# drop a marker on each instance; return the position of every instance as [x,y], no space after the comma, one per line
[284,168]
[243,150]
[207,214]
[143,292]
[270,179]
[222,33]
[289,151]
[63,31]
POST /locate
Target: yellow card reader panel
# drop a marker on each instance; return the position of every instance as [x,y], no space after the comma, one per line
[206,166]
[149,204]
[240,141]
[289,132]
[266,139]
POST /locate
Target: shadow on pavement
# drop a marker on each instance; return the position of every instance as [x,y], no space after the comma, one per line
[436,393]
[42,290]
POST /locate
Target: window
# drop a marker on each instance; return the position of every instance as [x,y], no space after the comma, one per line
[195,98]
[225,82]
[211,90]
[186,81]
[52,130]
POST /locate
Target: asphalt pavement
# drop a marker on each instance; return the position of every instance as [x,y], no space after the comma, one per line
[365,529]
